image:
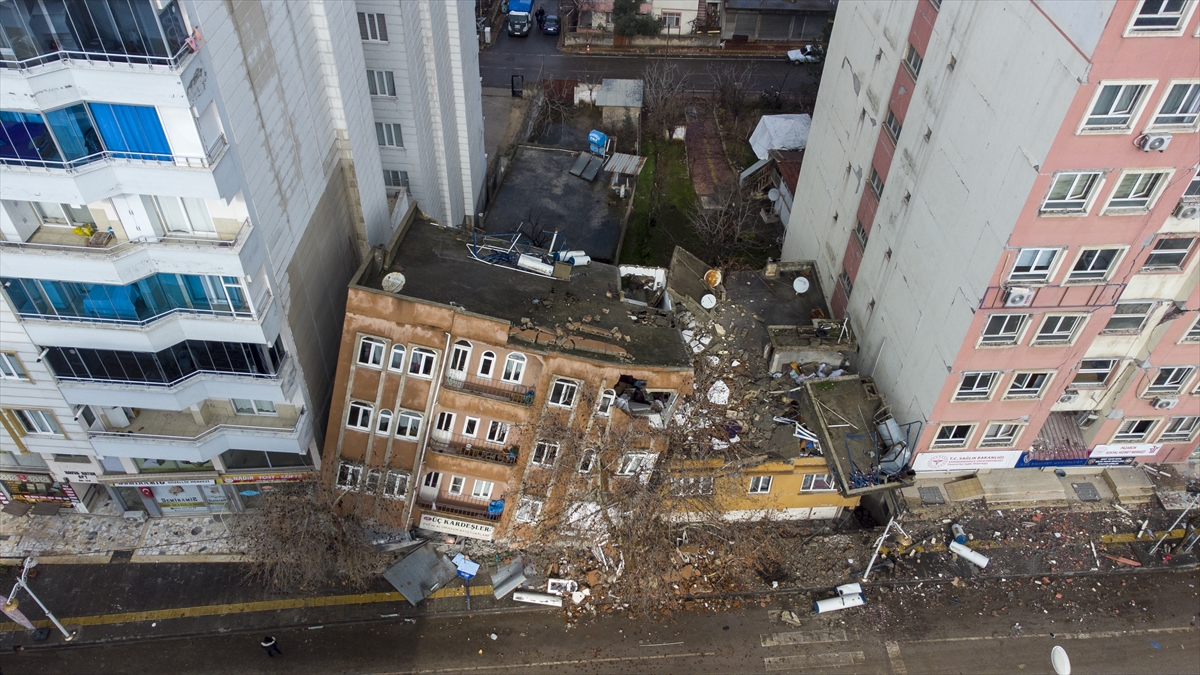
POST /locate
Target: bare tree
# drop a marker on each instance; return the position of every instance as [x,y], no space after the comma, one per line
[731,83]
[662,96]
[722,220]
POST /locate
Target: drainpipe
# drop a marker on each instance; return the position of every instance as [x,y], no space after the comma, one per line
[437,388]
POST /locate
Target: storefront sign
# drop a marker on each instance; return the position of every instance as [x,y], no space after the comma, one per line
[26,477]
[452,526]
[79,476]
[966,461]
[1133,450]
[163,483]
[236,478]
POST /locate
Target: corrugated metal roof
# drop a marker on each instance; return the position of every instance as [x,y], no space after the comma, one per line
[1059,438]
[620,93]
[623,163]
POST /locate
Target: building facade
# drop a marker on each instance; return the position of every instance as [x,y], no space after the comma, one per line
[1014,238]
[182,186]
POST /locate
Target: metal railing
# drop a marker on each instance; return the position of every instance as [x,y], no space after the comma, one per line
[159,439]
[277,375]
[69,57]
[127,157]
[1068,296]
[211,313]
[124,248]
[473,448]
[510,393]
[461,506]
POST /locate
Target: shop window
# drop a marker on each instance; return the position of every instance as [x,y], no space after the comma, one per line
[238,460]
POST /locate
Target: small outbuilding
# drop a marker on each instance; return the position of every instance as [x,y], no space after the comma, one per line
[780,132]
[620,101]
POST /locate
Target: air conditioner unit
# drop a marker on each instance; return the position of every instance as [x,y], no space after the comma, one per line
[1087,419]
[1068,397]
[1187,209]
[1165,402]
[1019,296]
[1157,142]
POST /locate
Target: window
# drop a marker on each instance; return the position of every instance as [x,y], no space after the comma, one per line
[1136,191]
[389,135]
[164,368]
[562,394]
[912,60]
[586,462]
[408,425]
[383,425]
[1128,317]
[636,462]
[1133,431]
[1180,107]
[672,20]
[497,432]
[818,482]
[179,214]
[482,489]
[1114,106]
[140,302]
[395,485]
[1027,385]
[397,360]
[1168,254]
[892,126]
[1057,329]
[470,427]
[976,386]
[1180,429]
[373,480]
[692,487]
[876,183]
[1094,264]
[131,131]
[246,406]
[459,356]
[11,368]
[445,422]
[421,363]
[760,485]
[514,368]
[1170,380]
[953,435]
[844,280]
[349,475]
[1193,334]
[1094,373]
[381,82]
[38,422]
[1003,329]
[487,361]
[456,485]
[528,510]
[1000,435]
[544,453]
[1160,16]
[395,179]
[1034,265]
[370,352]
[1071,192]
[359,417]
[372,27]
[53,213]
[606,402]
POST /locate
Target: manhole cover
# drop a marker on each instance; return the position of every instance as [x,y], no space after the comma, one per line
[1086,491]
[931,495]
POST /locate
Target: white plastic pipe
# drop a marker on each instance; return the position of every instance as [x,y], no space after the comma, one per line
[840,602]
[978,559]
[849,589]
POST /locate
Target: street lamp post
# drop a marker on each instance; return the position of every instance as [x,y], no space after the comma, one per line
[10,605]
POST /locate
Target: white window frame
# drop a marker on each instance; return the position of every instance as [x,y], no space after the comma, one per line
[1150,266]
[421,362]
[1125,431]
[1024,392]
[383,423]
[1193,93]
[1179,429]
[761,485]
[1001,435]
[444,422]
[389,135]
[349,475]
[587,461]
[1133,30]
[1042,263]
[381,83]
[1146,187]
[497,432]
[634,463]
[818,482]
[374,478]
[258,407]
[1129,313]
[395,485]
[877,184]
[406,420]
[563,390]
[1058,338]
[456,486]
[1088,276]
[913,61]
[372,349]
[396,358]
[359,416]
[487,365]
[893,126]
[952,441]
[514,368]
[395,179]
[460,357]
[1103,384]
[692,486]
[545,453]
[972,394]
[671,20]
[845,282]
[1170,380]
[470,427]
[1112,123]
[528,510]
[604,405]
[482,489]
[38,422]
[11,367]
[1007,337]
[1193,333]
[861,234]
[1092,180]
[372,27]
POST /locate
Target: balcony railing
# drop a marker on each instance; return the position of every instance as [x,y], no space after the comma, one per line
[460,506]
[500,391]
[121,249]
[188,433]
[68,57]
[127,157]
[473,448]
[1069,296]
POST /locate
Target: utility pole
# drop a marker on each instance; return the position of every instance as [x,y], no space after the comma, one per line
[10,605]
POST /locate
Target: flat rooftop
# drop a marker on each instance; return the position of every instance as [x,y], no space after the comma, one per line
[438,269]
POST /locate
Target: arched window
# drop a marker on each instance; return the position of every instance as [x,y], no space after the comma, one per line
[606,402]
[487,362]
[397,361]
[514,368]
[384,424]
[460,356]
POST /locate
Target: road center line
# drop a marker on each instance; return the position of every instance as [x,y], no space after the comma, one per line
[507,666]
[1063,636]
[893,650]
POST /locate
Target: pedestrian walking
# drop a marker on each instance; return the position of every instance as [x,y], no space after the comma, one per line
[269,646]
[541,17]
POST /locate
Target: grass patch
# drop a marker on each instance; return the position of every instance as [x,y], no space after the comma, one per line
[664,196]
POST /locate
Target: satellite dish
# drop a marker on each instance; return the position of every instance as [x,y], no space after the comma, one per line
[800,285]
[393,282]
[712,278]
[1058,659]
[773,194]
[708,301]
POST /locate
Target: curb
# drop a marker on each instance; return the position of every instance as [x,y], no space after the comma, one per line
[95,559]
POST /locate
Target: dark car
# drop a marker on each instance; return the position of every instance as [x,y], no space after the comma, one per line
[550,25]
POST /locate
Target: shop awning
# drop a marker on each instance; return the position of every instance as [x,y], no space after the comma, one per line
[173,478]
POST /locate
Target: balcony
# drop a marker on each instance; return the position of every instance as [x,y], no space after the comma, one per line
[460,506]
[499,391]
[1072,296]
[96,59]
[164,434]
[471,448]
[123,158]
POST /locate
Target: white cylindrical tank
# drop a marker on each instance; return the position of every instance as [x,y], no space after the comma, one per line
[840,602]
[978,559]
[849,589]
[534,264]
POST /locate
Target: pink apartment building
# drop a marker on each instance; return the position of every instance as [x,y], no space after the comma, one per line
[1004,199]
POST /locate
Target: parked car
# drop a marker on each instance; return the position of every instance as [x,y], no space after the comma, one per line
[550,25]
[807,54]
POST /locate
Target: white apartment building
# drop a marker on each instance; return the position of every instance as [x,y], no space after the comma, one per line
[185,190]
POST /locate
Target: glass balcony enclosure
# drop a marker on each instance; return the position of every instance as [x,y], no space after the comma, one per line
[138,303]
[167,367]
[82,133]
[36,32]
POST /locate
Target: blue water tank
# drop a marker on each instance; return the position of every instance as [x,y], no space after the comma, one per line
[597,141]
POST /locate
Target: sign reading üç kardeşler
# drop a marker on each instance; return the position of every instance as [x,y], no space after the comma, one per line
[453,526]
